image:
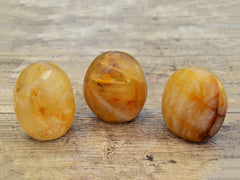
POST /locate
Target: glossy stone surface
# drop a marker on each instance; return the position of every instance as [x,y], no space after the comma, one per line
[115,87]
[43,101]
[194,104]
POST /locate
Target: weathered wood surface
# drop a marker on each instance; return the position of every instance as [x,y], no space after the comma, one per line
[163,36]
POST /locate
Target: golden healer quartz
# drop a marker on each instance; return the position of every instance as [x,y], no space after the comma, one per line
[194,104]
[43,101]
[115,87]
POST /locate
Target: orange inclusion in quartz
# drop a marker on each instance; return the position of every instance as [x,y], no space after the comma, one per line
[43,101]
[115,87]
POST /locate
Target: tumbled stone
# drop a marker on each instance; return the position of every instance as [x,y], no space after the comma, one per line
[44,101]
[115,88]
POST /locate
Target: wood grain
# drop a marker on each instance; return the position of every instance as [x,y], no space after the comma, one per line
[163,36]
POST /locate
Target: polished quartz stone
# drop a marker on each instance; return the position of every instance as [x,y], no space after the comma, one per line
[43,101]
[115,87]
[194,104]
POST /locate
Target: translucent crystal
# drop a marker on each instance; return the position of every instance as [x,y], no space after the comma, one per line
[115,87]
[43,101]
[194,104]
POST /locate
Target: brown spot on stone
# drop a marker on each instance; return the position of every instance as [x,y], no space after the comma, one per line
[42,111]
[131,103]
[100,84]
[116,99]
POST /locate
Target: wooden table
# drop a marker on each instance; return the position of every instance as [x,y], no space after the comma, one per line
[163,36]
